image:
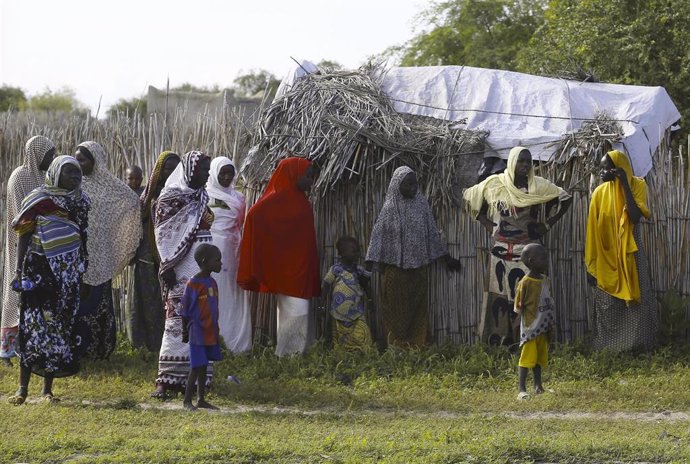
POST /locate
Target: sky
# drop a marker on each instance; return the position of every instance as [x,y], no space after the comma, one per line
[106,50]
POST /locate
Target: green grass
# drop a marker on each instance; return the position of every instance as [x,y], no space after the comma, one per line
[443,404]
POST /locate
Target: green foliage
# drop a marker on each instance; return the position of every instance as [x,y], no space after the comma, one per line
[255,82]
[674,320]
[483,33]
[188,87]
[329,65]
[63,100]
[11,98]
[131,107]
[647,43]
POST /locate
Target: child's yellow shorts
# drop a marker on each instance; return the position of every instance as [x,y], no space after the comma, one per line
[535,351]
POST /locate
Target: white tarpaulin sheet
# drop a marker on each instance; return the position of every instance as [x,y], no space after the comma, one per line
[532,111]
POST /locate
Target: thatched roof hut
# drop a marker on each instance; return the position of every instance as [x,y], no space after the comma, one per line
[351,124]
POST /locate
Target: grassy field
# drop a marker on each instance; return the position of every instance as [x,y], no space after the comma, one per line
[444,404]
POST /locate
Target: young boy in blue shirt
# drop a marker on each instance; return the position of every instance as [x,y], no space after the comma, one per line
[200,323]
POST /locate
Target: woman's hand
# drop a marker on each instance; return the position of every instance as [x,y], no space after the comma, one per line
[169,278]
[487,223]
[452,264]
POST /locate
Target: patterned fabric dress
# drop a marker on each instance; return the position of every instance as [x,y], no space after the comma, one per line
[54,264]
[347,308]
[23,180]
[182,222]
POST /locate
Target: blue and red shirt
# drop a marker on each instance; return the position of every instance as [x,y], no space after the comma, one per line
[200,309]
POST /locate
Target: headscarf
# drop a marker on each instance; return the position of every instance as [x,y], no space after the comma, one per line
[150,195]
[21,182]
[405,234]
[114,220]
[610,244]
[500,192]
[230,196]
[179,210]
[278,252]
[51,187]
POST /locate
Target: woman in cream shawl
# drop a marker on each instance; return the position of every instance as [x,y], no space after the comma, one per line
[624,307]
[517,208]
[114,234]
[228,206]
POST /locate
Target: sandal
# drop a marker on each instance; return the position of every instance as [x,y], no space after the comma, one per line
[49,398]
[19,397]
[523,396]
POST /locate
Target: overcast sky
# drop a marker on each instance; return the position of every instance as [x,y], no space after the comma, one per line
[115,49]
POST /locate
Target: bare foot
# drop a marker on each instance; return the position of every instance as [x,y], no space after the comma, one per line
[7,362]
[160,392]
[538,390]
[206,405]
[19,397]
[189,406]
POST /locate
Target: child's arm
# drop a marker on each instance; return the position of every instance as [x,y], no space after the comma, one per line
[518,303]
[188,300]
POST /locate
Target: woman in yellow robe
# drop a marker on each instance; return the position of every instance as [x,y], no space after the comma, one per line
[625,315]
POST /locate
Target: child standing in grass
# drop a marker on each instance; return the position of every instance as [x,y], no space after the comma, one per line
[345,278]
[200,323]
[535,306]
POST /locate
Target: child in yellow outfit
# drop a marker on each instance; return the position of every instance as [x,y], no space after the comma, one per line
[535,306]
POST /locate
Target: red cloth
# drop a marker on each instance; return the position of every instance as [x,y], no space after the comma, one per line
[278,250]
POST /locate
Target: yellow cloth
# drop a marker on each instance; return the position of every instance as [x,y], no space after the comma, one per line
[535,351]
[355,337]
[610,245]
[500,192]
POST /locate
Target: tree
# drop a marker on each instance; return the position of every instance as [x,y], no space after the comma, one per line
[254,82]
[136,105]
[647,44]
[482,33]
[187,87]
[12,98]
[329,65]
[63,100]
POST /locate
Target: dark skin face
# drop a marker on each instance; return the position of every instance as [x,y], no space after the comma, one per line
[408,187]
[85,161]
[168,167]
[523,167]
[201,174]
[47,159]
[134,178]
[608,169]
[538,260]
[213,262]
[349,253]
[226,175]
[305,182]
[70,177]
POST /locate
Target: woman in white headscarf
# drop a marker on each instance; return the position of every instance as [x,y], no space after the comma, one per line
[114,234]
[228,206]
[517,208]
[39,152]
[404,241]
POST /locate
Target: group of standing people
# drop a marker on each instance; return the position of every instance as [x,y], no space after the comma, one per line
[191,200]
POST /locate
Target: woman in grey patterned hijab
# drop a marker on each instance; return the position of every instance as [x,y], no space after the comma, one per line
[404,241]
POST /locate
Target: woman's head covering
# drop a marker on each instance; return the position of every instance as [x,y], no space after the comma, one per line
[279,228]
[114,220]
[151,190]
[55,170]
[405,234]
[229,195]
[610,244]
[179,210]
[499,191]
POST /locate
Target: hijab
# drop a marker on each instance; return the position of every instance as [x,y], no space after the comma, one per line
[179,210]
[405,234]
[228,195]
[278,252]
[610,244]
[114,220]
[500,192]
